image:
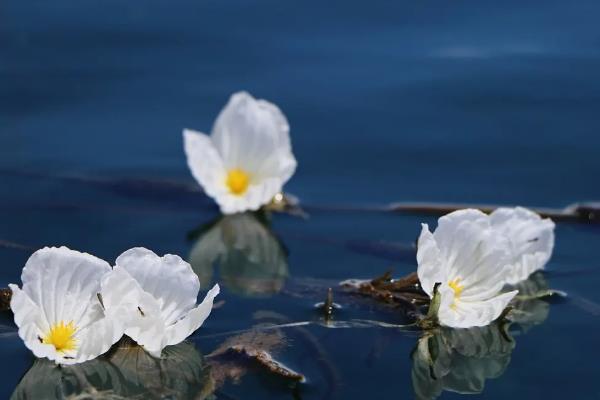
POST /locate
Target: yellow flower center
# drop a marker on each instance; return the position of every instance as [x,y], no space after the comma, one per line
[237,181]
[458,288]
[61,336]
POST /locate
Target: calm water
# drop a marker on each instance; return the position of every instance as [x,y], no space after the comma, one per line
[473,101]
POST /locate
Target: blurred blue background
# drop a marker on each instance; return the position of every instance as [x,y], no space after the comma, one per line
[463,101]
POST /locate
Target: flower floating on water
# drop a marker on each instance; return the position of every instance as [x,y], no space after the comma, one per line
[58,311]
[248,157]
[155,297]
[467,259]
[531,240]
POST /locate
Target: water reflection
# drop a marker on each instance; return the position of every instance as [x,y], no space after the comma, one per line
[252,262]
[127,373]
[529,307]
[461,360]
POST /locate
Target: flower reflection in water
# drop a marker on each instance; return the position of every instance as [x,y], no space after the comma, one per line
[127,372]
[252,262]
[529,307]
[461,360]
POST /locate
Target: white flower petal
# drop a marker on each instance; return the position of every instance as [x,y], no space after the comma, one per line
[205,163]
[463,247]
[139,311]
[257,195]
[62,282]
[96,339]
[469,247]
[29,319]
[463,314]
[168,279]
[448,225]
[149,332]
[470,260]
[193,320]
[25,311]
[155,297]
[447,299]
[430,266]
[251,137]
[254,135]
[60,287]
[531,240]
[41,350]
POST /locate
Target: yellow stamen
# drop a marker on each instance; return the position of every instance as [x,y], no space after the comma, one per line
[237,181]
[61,336]
[458,288]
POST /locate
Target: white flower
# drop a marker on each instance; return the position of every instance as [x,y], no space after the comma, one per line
[531,240]
[468,259]
[155,297]
[248,157]
[58,311]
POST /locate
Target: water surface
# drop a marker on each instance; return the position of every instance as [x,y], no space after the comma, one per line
[475,102]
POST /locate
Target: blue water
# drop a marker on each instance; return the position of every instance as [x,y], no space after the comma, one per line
[469,101]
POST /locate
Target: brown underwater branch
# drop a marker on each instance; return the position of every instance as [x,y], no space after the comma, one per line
[404,292]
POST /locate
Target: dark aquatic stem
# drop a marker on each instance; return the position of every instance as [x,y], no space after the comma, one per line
[189,196]
[5,296]
[404,293]
[577,212]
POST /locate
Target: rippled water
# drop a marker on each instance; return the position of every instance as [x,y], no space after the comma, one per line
[460,102]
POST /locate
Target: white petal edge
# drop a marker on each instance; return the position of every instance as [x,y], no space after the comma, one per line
[469,314]
[430,267]
[30,321]
[205,163]
[257,195]
[96,340]
[254,135]
[169,279]
[60,285]
[138,311]
[449,223]
[62,282]
[520,226]
[190,323]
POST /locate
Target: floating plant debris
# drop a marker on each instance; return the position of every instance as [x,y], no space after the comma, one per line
[233,358]
[404,292]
